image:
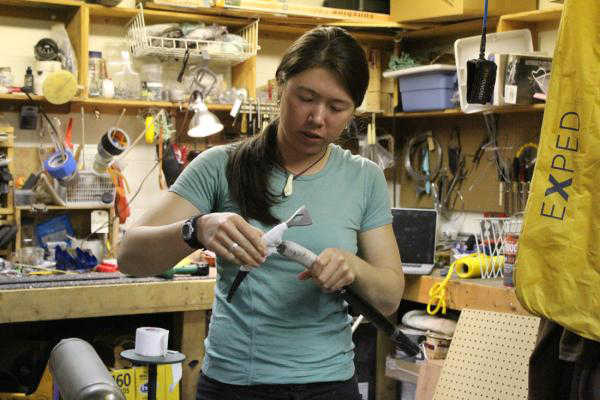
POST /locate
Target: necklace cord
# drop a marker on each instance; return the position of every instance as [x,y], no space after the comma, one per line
[294,176]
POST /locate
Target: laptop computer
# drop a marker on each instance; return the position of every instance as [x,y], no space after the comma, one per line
[415,231]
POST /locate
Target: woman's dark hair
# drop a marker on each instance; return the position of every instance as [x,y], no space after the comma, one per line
[251,161]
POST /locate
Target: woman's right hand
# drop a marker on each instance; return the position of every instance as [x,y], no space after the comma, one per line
[231,237]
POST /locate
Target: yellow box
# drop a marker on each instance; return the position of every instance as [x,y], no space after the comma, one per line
[443,10]
[125,379]
[164,382]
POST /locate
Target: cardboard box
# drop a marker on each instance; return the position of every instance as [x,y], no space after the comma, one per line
[125,379]
[165,390]
[443,10]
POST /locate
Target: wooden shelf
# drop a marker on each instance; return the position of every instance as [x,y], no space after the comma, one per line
[98,102]
[165,15]
[456,112]
[267,9]
[535,21]
[463,28]
[269,22]
[50,207]
[20,97]
[37,3]
[551,14]
[481,294]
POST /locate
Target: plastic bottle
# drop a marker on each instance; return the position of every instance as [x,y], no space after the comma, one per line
[128,84]
[96,73]
[28,81]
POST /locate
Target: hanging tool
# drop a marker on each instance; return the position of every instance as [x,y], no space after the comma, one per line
[422,164]
[481,73]
[306,258]
[523,166]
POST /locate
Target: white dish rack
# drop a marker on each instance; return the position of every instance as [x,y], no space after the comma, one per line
[89,190]
[142,44]
[491,239]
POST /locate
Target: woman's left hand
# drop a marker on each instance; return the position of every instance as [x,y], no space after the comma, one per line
[331,271]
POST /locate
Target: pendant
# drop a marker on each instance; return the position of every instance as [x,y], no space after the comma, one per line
[289,188]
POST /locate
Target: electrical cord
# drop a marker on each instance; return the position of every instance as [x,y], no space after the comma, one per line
[128,204]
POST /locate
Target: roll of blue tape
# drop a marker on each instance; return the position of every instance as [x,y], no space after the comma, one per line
[59,168]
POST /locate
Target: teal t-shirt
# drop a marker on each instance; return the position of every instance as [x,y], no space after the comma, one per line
[278,329]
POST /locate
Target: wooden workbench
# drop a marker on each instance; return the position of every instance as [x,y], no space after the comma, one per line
[480,294]
[191,298]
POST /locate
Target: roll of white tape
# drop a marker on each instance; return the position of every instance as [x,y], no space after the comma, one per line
[151,342]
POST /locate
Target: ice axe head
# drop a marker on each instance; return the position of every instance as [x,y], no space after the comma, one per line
[300,218]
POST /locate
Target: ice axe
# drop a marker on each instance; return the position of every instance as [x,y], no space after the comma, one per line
[306,258]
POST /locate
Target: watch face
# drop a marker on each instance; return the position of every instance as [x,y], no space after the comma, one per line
[187,230]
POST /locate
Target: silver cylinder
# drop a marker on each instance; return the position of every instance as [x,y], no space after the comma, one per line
[80,374]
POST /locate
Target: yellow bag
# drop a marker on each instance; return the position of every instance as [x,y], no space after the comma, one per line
[558,263]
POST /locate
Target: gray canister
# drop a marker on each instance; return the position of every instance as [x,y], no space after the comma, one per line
[80,374]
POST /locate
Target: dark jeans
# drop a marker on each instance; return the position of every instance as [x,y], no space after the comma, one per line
[210,389]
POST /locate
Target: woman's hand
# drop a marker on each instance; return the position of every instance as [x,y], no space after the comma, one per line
[231,237]
[331,271]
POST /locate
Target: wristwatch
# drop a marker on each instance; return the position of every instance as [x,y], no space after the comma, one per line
[190,234]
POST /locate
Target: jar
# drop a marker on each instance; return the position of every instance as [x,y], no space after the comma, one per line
[96,73]
[511,246]
[154,91]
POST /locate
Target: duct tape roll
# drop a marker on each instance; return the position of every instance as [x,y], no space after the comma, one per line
[61,167]
[471,266]
[151,342]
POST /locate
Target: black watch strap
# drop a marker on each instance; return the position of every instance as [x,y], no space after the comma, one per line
[190,233]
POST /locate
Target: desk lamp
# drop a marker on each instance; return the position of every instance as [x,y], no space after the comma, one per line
[204,123]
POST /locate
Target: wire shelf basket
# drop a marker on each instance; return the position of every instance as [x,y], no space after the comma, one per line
[143,44]
[490,242]
[90,190]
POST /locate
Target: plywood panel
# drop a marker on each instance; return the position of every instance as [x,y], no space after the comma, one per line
[480,190]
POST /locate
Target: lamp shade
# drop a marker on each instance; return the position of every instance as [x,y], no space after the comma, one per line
[204,123]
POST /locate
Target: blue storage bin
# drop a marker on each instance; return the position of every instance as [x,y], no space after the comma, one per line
[426,88]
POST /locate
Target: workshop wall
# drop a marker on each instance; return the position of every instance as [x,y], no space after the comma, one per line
[106,36]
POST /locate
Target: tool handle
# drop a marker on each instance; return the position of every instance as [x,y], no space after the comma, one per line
[306,257]
[186,269]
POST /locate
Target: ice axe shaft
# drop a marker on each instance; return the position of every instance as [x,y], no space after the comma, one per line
[305,257]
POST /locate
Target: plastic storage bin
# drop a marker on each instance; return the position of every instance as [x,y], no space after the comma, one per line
[426,88]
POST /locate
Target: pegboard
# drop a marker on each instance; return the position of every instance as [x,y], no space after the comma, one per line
[480,191]
[489,357]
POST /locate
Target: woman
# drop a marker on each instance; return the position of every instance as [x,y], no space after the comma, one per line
[285,333]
